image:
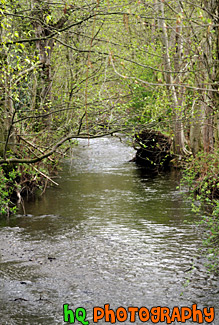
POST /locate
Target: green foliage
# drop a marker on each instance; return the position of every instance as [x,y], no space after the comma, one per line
[201,176]
[22,180]
[6,188]
[212,238]
[150,106]
[141,105]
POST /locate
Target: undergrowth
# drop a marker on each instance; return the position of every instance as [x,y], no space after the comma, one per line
[19,181]
[201,175]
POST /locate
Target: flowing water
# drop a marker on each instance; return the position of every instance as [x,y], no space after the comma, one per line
[108,234]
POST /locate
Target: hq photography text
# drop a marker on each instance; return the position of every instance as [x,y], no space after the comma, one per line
[142,314]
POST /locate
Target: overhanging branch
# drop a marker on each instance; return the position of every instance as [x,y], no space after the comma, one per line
[36,39]
[56,146]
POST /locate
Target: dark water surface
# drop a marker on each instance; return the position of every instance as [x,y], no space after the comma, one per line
[108,234]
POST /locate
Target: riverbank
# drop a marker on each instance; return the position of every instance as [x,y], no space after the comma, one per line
[201,176]
[21,181]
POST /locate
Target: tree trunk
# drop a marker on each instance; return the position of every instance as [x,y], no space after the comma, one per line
[195,129]
[179,138]
[7,131]
[211,101]
[44,46]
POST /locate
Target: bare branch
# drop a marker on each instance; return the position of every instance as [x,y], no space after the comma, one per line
[56,146]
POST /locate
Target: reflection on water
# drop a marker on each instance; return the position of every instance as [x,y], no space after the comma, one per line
[108,234]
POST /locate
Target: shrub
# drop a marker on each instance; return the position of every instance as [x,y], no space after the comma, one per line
[201,175]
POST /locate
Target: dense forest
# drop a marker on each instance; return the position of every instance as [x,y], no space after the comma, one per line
[88,69]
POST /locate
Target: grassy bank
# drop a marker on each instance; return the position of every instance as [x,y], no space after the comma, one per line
[19,181]
[201,175]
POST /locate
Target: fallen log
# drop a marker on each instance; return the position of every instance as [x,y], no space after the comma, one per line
[153,150]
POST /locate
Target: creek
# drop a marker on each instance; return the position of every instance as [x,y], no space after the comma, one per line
[109,233]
